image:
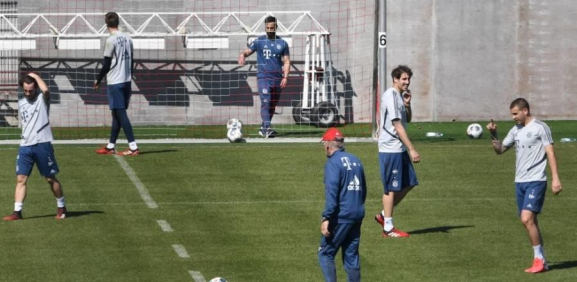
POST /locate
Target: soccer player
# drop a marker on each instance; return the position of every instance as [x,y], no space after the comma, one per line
[345,194]
[117,67]
[534,147]
[273,65]
[397,172]
[35,145]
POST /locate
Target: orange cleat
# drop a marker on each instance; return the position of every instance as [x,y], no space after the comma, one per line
[539,265]
[106,151]
[61,213]
[14,216]
[395,233]
[129,152]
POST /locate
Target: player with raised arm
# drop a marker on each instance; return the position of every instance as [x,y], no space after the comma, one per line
[534,147]
[397,172]
[117,67]
[273,65]
[35,145]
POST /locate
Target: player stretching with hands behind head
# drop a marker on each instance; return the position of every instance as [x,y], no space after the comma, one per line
[534,146]
[35,146]
[117,67]
[397,172]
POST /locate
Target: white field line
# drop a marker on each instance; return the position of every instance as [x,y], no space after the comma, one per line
[195,141]
[197,276]
[137,183]
[555,198]
[181,251]
[164,225]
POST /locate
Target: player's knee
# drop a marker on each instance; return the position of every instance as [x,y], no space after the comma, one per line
[527,219]
[51,180]
[21,179]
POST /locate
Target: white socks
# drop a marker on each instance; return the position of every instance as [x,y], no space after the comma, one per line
[110,146]
[60,202]
[18,206]
[132,146]
[538,252]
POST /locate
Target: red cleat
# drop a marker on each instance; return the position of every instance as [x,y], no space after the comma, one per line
[380,219]
[539,265]
[14,216]
[61,213]
[395,233]
[129,153]
[106,151]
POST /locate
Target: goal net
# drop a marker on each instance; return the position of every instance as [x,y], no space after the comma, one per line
[187,82]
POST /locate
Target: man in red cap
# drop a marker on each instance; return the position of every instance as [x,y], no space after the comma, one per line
[345,193]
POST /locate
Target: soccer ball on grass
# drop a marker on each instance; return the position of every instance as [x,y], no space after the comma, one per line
[475,130]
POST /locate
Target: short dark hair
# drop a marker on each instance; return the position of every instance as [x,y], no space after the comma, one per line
[398,71]
[270,19]
[521,104]
[28,80]
[111,19]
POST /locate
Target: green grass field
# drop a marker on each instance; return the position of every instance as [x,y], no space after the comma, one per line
[250,212]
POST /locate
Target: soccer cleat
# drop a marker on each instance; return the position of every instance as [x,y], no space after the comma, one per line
[380,219]
[539,265]
[395,233]
[269,133]
[61,213]
[129,152]
[17,215]
[106,151]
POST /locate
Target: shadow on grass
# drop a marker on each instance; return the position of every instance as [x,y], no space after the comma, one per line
[563,265]
[440,229]
[69,214]
[158,151]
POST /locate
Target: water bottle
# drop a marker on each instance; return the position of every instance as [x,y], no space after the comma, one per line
[434,134]
[568,140]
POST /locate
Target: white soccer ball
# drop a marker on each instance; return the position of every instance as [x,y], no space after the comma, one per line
[475,130]
[234,134]
[234,123]
[217,279]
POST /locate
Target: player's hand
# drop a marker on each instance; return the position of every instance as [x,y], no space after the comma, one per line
[283,83]
[96,86]
[325,228]
[492,126]
[415,156]
[241,60]
[556,187]
[407,98]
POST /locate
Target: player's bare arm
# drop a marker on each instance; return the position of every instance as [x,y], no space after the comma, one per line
[407,101]
[243,55]
[285,68]
[556,183]
[41,84]
[497,144]
[406,141]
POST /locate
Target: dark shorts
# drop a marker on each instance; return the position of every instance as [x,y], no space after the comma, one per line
[397,172]
[41,154]
[530,195]
[119,95]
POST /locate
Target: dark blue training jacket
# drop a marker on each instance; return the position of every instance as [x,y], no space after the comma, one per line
[345,188]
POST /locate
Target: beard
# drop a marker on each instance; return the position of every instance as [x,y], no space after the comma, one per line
[271,35]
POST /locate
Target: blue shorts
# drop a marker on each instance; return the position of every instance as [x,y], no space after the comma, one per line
[397,172]
[530,195]
[41,154]
[119,95]
[269,91]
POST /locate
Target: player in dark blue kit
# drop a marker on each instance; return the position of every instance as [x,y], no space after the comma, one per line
[345,193]
[273,64]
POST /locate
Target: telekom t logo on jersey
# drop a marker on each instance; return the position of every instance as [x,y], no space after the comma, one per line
[266,53]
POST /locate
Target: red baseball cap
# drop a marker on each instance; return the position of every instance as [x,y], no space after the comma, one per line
[332,134]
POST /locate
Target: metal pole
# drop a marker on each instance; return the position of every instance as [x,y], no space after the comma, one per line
[380,58]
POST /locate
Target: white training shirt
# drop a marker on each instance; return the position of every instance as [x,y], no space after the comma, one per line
[391,107]
[530,142]
[34,120]
[119,47]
